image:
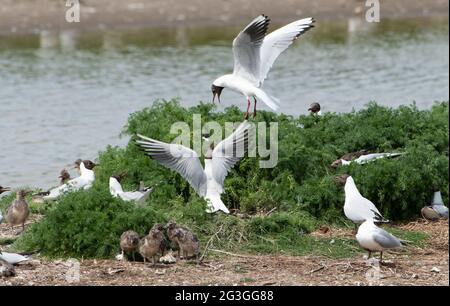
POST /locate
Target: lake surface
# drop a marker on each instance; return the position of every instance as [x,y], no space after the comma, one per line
[65,95]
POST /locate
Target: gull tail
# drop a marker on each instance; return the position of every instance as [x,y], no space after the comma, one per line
[215,204]
[269,100]
[146,195]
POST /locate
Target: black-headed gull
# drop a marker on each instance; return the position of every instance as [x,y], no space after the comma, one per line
[13,258]
[361,158]
[18,211]
[374,239]
[84,181]
[115,188]
[254,54]
[356,207]
[208,182]
[314,108]
[437,210]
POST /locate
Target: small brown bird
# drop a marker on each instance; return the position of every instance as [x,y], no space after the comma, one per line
[153,244]
[64,176]
[172,229]
[129,242]
[77,165]
[188,243]
[4,189]
[19,211]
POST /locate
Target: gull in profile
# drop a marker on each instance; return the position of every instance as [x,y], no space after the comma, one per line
[115,188]
[84,181]
[254,54]
[13,258]
[208,182]
[437,210]
[361,158]
[356,207]
[374,239]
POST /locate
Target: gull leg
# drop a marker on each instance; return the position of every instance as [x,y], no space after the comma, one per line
[381,256]
[370,254]
[254,108]
[248,108]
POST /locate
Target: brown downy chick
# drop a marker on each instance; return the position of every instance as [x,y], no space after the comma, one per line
[129,242]
[188,243]
[153,244]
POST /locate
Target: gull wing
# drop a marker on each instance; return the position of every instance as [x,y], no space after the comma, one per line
[178,158]
[278,41]
[246,49]
[229,151]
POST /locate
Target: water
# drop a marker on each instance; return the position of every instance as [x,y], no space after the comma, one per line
[67,95]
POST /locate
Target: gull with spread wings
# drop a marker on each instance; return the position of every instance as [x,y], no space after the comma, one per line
[208,182]
[254,54]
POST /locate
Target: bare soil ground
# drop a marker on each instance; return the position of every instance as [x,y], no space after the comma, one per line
[37,15]
[428,265]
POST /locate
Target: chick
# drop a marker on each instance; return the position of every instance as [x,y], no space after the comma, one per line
[153,244]
[129,242]
[188,243]
[64,176]
[172,229]
[19,211]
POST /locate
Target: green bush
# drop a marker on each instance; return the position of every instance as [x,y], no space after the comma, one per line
[300,188]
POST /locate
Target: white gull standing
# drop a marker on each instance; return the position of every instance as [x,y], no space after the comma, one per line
[254,54]
[84,181]
[116,190]
[208,182]
[356,207]
[374,239]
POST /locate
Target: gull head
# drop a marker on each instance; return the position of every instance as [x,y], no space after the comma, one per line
[77,164]
[216,91]
[314,107]
[156,228]
[89,164]
[4,189]
[341,179]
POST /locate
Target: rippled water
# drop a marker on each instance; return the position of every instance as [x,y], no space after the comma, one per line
[67,95]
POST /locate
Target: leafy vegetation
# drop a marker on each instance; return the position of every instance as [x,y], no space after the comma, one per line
[300,190]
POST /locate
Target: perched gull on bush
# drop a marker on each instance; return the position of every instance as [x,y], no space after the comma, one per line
[84,181]
[362,158]
[116,191]
[374,239]
[208,183]
[357,208]
[254,54]
[437,210]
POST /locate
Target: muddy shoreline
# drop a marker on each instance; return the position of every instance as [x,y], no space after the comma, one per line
[29,16]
